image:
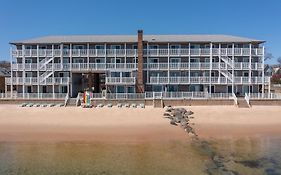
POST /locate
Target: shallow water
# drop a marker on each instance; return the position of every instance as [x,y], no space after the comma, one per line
[244,156]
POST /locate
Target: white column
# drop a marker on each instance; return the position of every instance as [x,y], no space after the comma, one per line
[11,58]
[233,79]
[23,72]
[263,72]
[189,63]
[250,69]
[88,57]
[220,65]
[70,56]
[53,76]
[38,73]
[168,64]
[211,67]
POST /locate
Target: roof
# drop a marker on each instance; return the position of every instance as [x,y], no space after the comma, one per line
[133,39]
[4,72]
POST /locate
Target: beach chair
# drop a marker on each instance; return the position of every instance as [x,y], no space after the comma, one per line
[23,105]
[109,105]
[142,105]
[29,105]
[100,105]
[127,105]
[37,105]
[51,105]
[133,105]
[119,105]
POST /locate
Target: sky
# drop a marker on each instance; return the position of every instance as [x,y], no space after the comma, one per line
[25,19]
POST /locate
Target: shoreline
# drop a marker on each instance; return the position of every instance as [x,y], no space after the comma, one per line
[115,125]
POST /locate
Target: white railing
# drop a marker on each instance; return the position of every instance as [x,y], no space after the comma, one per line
[264,96]
[235,99]
[134,52]
[247,99]
[120,80]
[34,96]
[125,66]
[35,80]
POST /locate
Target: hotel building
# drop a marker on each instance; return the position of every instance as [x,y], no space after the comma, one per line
[56,66]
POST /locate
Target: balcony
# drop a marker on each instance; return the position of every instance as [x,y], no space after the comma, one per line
[201,66]
[207,80]
[35,81]
[74,66]
[134,52]
[120,80]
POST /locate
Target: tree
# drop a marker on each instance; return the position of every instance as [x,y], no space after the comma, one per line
[268,56]
[279,61]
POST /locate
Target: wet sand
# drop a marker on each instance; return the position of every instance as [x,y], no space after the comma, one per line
[133,125]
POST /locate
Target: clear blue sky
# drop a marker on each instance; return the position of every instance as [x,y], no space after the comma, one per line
[23,19]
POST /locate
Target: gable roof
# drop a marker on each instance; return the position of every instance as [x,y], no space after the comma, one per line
[133,39]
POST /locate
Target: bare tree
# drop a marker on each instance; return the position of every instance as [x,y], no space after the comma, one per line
[279,61]
[268,56]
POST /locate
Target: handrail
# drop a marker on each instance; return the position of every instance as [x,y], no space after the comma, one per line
[235,99]
[66,99]
[247,98]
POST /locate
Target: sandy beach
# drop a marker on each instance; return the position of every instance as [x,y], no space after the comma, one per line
[133,125]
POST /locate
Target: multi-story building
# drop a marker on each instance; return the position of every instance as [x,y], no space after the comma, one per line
[58,65]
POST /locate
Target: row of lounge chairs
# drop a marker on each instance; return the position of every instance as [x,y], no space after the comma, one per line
[41,105]
[119,105]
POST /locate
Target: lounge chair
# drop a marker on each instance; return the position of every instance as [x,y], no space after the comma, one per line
[142,105]
[133,105]
[109,105]
[23,105]
[127,105]
[52,105]
[37,105]
[119,105]
[29,105]
[100,105]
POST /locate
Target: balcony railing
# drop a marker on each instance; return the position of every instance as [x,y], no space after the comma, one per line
[201,66]
[36,81]
[74,66]
[120,80]
[134,52]
[206,80]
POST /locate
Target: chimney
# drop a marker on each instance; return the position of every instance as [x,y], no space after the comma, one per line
[140,85]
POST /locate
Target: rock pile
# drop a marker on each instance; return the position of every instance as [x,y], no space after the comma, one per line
[180,116]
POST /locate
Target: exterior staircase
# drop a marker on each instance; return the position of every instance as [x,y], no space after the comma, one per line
[71,102]
[45,61]
[227,74]
[242,103]
[230,65]
[45,75]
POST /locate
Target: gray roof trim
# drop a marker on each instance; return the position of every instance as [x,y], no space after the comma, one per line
[133,39]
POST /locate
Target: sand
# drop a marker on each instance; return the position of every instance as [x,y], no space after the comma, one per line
[132,125]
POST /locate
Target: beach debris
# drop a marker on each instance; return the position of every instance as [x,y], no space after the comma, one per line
[119,105]
[181,117]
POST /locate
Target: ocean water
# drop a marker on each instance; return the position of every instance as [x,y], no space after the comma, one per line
[245,156]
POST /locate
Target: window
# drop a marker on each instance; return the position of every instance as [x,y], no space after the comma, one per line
[194,60]
[28,47]
[157,88]
[63,89]
[99,46]
[78,47]
[175,60]
[153,47]
[29,89]
[135,46]
[28,60]
[44,89]
[153,60]
[115,47]
[99,60]
[131,89]
[175,46]
[28,74]
[78,60]
[120,89]
[65,46]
